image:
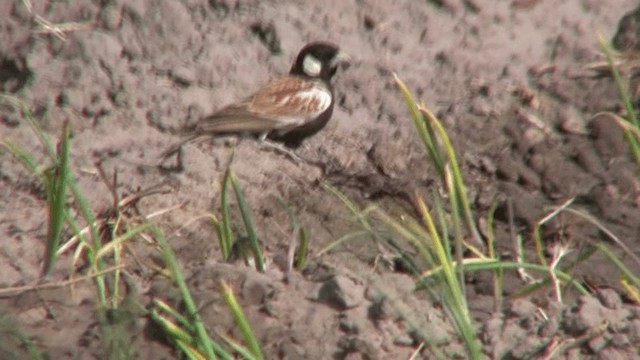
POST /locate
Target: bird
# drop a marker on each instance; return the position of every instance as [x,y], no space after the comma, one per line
[287,109]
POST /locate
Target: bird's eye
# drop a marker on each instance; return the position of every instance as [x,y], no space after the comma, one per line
[311,65]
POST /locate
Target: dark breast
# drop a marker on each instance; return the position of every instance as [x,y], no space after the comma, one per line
[293,138]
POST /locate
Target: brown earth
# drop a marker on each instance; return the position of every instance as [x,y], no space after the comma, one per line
[513,81]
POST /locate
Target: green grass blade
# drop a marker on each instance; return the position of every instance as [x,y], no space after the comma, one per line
[456,174]
[157,303]
[57,201]
[424,128]
[241,321]
[33,124]
[457,305]
[226,239]
[27,160]
[498,276]
[303,250]
[454,201]
[629,275]
[189,351]
[341,240]
[353,208]
[117,241]
[476,264]
[241,350]
[248,223]
[171,330]
[202,338]
[624,93]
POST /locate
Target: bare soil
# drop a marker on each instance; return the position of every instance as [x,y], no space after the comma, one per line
[513,81]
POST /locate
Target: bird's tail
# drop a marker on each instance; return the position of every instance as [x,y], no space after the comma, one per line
[176,147]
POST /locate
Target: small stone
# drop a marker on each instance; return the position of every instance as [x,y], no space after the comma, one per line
[528,177]
[404,340]
[613,354]
[183,75]
[480,107]
[256,290]
[488,165]
[588,315]
[111,17]
[550,328]
[589,160]
[620,341]
[597,343]
[635,330]
[523,308]
[533,136]
[507,169]
[572,122]
[32,316]
[341,293]
[378,310]
[610,298]
[103,47]
[74,98]
[349,327]
[537,163]
[608,137]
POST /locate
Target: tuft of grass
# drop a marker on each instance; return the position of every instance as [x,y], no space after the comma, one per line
[630,125]
[241,321]
[431,237]
[64,199]
[14,344]
[200,340]
[299,246]
[249,225]
[56,188]
[449,172]
[188,332]
[228,241]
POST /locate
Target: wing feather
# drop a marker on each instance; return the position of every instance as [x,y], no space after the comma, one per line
[282,103]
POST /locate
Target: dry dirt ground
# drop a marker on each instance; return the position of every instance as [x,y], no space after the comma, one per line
[512,80]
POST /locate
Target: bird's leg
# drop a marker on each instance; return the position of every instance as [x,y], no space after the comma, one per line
[282,149]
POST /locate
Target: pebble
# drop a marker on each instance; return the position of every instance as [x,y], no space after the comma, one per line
[610,298]
[341,292]
[183,75]
[608,137]
[572,122]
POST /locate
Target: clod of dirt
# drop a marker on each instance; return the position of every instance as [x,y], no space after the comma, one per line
[340,292]
[610,298]
[608,137]
[268,35]
[257,289]
[627,36]
[589,314]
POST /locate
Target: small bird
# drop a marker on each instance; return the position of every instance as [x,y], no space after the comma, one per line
[287,109]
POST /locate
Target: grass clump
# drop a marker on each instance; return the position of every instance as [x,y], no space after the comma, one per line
[447,240]
[100,241]
[248,245]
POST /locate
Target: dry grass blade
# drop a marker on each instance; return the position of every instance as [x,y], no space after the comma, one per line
[16,290]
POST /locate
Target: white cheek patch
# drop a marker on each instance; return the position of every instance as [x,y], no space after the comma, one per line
[311,65]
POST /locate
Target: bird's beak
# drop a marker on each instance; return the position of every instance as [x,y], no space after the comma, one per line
[341,59]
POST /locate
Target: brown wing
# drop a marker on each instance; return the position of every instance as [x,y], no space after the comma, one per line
[282,103]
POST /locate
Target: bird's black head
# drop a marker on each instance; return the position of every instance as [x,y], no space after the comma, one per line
[318,60]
